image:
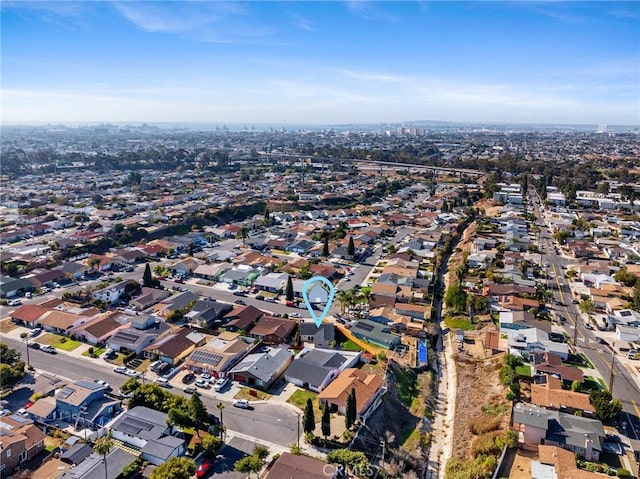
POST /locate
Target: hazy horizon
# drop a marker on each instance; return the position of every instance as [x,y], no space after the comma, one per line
[320,63]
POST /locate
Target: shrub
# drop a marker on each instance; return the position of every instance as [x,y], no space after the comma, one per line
[623,473]
[483,425]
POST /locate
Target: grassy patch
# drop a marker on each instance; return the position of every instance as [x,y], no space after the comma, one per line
[459,323]
[96,352]
[349,345]
[495,410]
[6,325]
[144,365]
[66,344]
[590,384]
[252,394]
[299,399]
[524,370]
[407,384]
[588,363]
[602,384]
[48,339]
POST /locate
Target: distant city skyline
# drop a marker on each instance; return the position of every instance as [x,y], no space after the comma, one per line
[310,63]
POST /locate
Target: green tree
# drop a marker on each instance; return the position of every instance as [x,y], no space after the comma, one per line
[575,386]
[607,408]
[103,446]
[198,411]
[309,419]
[351,248]
[325,423]
[211,443]
[350,409]
[587,307]
[175,468]
[623,276]
[249,465]
[11,365]
[288,291]
[178,418]
[456,298]
[355,460]
[147,279]
[325,247]
[266,220]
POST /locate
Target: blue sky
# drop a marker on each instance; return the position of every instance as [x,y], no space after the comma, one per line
[321,62]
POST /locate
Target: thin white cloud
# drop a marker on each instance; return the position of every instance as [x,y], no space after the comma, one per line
[369,10]
[301,22]
[212,22]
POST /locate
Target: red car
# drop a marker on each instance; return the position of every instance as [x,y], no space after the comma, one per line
[204,468]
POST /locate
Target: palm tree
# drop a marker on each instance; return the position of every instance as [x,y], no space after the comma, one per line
[244,232]
[344,298]
[367,295]
[220,407]
[102,446]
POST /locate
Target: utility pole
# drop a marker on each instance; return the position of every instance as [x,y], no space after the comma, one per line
[298,432]
[612,372]
[25,337]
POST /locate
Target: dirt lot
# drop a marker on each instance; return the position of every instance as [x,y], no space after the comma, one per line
[478,385]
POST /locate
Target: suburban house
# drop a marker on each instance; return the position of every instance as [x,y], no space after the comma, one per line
[135,340]
[293,465]
[91,467]
[173,346]
[321,337]
[272,282]
[375,333]
[11,287]
[367,387]
[547,391]
[538,425]
[220,354]
[61,322]
[83,402]
[555,462]
[242,318]
[20,441]
[173,303]
[314,369]
[27,315]
[147,431]
[111,294]
[148,297]
[101,328]
[205,313]
[73,271]
[273,330]
[262,370]
[551,365]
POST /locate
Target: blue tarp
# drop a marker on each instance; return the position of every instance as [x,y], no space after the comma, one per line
[422,352]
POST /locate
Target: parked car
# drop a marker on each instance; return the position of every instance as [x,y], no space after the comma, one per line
[242,403]
[204,468]
[220,384]
[290,303]
[191,390]
[241,302]
[205,376]
[120,370]
[34,345]
[14,302]
[48,349]
[188,378]
[104,383]
[260,297]
[203,383]
[5,412]
[294,315]
[34,332]
[132,373]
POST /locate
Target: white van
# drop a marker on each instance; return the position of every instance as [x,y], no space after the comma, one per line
[162,382]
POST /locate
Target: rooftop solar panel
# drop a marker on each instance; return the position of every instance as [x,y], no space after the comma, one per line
[364,326]
[206,357]
[65,392]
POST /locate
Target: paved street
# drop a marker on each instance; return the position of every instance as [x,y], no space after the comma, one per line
[270,421]
[625,385]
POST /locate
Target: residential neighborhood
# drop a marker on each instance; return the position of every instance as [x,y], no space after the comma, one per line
[163,313]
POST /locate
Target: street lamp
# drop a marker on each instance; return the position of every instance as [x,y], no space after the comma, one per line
[298,422]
